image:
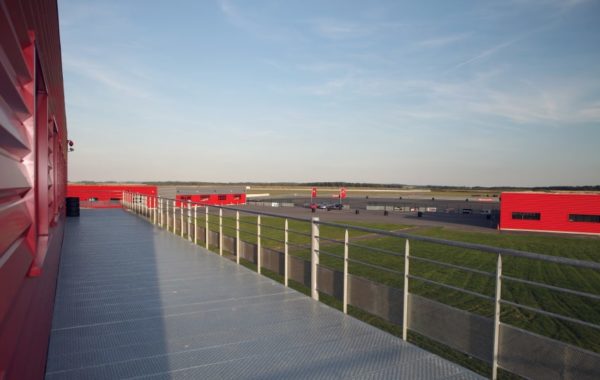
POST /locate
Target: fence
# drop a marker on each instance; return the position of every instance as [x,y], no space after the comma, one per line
[514,310]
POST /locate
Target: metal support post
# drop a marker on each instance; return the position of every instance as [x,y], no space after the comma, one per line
[497,300]
[206,227]
[181,210]
[189,215]
[221,231]
[285,253]
[155,211]
[237,237]
[161,214]
[196,224]
[174,217]
[314,262]
[258,248]
[167,214]
[346,272]
[405,291]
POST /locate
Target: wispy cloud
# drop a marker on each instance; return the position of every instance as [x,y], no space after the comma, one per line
[336,29]
[116,80]
[443,40]
[252,23]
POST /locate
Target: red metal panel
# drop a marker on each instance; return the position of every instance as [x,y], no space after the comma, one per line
[30,61]
[212,199]
[554,210]
[106,196]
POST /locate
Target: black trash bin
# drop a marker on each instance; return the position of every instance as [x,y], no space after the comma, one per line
[72,206]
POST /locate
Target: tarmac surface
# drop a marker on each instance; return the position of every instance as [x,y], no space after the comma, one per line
[467,222]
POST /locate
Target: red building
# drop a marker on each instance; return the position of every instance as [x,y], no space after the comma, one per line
[33,178]
[106,196]
[212,199]
[550,212]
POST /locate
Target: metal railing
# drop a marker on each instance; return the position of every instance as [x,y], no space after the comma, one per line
[393,273]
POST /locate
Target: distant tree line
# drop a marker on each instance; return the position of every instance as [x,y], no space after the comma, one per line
[357,184]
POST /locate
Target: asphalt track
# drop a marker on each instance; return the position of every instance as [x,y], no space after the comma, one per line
[470,222]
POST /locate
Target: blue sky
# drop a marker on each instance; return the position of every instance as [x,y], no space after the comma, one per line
[415,92]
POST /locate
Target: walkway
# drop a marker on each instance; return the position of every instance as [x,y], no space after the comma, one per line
[134,301]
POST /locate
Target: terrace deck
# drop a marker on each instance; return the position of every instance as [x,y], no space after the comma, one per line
[135,301]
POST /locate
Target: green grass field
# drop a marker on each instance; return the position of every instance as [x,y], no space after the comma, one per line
[549,300]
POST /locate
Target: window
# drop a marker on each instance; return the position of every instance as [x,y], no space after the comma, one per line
[237,197]
[584,218]
[526,215]
[222,197]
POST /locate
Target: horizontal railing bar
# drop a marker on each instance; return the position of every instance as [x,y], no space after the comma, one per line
[272,239]
[448,265]
[385,251]
[272,227]
[419,278]
[451,243]
[321,238]
[330,254]
[473,246]
[551,314]
[299,233]
[374,266]
[552,287]
[306,246]
[253,223]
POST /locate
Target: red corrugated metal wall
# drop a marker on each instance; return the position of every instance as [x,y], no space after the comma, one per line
[212,199]
[554,211]
[33,158]
[106,196]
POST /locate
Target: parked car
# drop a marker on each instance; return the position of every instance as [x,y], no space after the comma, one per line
[335,206]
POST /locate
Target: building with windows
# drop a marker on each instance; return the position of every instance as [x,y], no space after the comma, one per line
[577,213]
[106,196]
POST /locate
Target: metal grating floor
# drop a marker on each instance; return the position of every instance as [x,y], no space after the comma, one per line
[134,301]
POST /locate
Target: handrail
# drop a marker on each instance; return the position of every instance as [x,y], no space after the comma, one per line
[155,212]
[404,235]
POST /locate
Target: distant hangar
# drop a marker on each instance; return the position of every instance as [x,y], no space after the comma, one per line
[577,213]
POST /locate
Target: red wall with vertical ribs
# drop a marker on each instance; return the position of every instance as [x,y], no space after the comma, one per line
[33,162]
[554,210]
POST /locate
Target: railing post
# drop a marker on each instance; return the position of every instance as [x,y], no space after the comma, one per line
[155,211]
[346,272]
[161,214]
[258,245]
[181,210]
[167,214]
[189,215]
[196,224]
[285,253]
[206,227]
[405,291]
[497,300]
[174,217]
[237,237]
[220,231]
[314,261]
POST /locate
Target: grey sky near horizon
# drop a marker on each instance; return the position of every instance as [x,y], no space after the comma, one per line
[494,93]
